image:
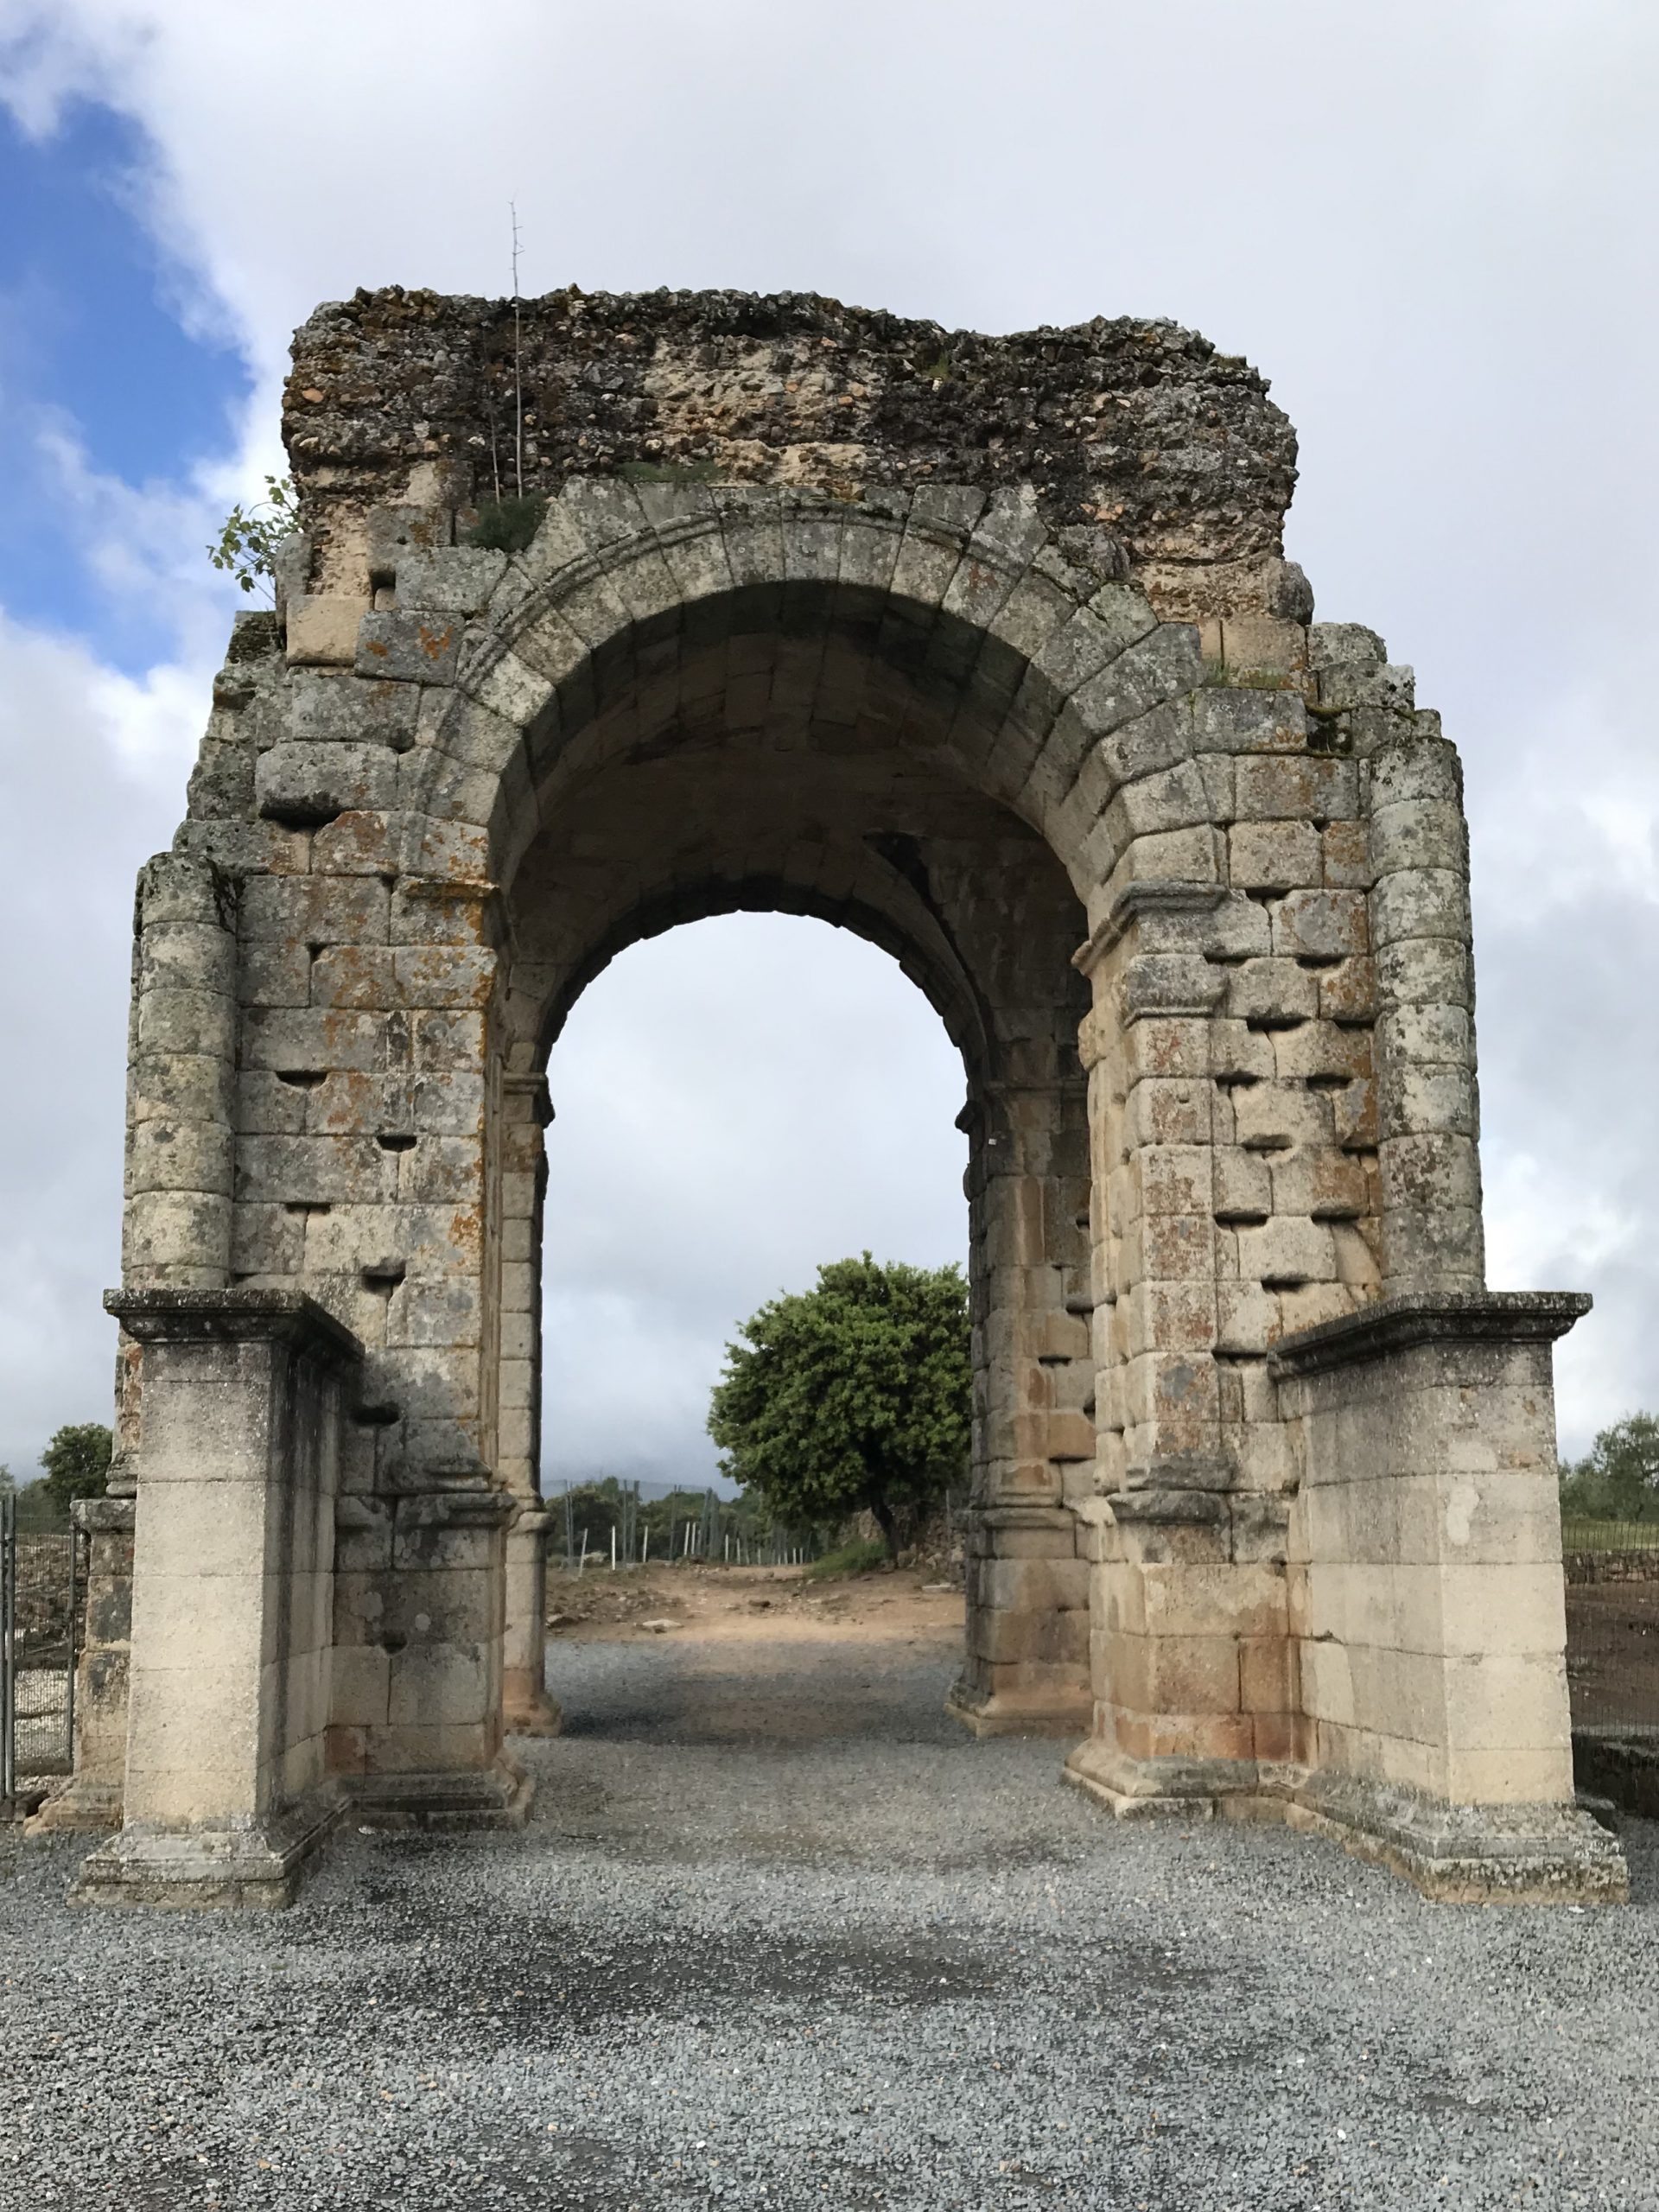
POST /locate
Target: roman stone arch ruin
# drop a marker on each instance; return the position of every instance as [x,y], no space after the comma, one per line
[986,649]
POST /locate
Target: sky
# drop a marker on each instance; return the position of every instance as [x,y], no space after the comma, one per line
[1431,222]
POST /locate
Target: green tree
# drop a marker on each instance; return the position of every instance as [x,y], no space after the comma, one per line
[1618,1478]
[855,1395]
[76,1463]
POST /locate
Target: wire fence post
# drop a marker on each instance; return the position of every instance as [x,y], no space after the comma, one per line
[71,1654]
[8,1648]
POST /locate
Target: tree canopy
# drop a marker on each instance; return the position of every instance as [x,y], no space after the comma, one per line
[1618,1478]
[76,1463]
[855,1395]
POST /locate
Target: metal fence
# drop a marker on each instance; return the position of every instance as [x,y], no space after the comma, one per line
[610,1522]
[1612,1624]
[42,1585]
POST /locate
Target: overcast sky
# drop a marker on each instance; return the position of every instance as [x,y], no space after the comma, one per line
[1432,226]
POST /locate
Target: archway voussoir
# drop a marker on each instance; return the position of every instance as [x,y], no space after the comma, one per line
[869,550]
[936,534]
[642,580]
[674,509]
[593,608]
[811,547]
[1009,529]
[510,691]
[551,647]
[751,525]
[464,795]
[559,548]
[1149,742]
[606,512]
[1162,666]
[1088,642]
[1035,612]
[695,552]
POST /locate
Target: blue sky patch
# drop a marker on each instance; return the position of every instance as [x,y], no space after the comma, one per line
[91,337]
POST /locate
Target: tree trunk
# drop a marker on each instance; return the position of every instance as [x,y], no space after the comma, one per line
[887,1524]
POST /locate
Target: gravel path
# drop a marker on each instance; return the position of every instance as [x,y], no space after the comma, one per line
[779,1936]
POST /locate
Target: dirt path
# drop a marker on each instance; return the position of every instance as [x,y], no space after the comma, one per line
[749,1605]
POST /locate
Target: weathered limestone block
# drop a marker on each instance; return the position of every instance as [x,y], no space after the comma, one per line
[176,1223]
[92,1799]
[310,784]
[416,648]
[225,1787]
[456,581]
[1025,1671]
[322,628]
[1430,1608]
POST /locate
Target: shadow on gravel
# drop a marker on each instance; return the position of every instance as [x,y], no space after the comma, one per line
[533,1979]
[1641,1843]
[758,1700]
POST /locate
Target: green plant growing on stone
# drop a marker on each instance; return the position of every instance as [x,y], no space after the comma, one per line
[855,1396]
[1618,1477]
[508,525]
[247,543]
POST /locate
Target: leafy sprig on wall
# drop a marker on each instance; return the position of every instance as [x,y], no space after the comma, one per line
[247,543]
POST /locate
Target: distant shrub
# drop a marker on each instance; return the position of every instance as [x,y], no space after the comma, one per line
[863,1556]
[1618,1477]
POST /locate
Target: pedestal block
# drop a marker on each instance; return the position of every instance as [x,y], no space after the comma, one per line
[1421,1657]
[1026,1668]
[92,1799]
[226,1791]
[417,1735]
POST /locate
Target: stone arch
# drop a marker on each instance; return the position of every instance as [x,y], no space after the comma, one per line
[847,800]
[1002,657]
[1004,667]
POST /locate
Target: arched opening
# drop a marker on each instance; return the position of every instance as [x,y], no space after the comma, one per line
[736,1101]
[769,753]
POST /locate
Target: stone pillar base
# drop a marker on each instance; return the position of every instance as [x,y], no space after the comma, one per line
[496,1797]
[1132,1789]
[527,1712]
[261,1866]
[1455,1854]
[1005,1712]
[1468,1854]
[85,1808]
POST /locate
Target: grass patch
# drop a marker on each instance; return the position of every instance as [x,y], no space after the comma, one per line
[508,525]
[864,1557]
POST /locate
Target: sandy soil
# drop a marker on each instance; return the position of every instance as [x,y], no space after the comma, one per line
[751,1604]
[1613,1654]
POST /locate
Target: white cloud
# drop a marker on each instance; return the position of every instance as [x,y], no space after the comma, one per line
[91,765]
[1430,223]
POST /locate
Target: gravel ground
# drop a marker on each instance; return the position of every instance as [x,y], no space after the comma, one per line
[779,1936]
